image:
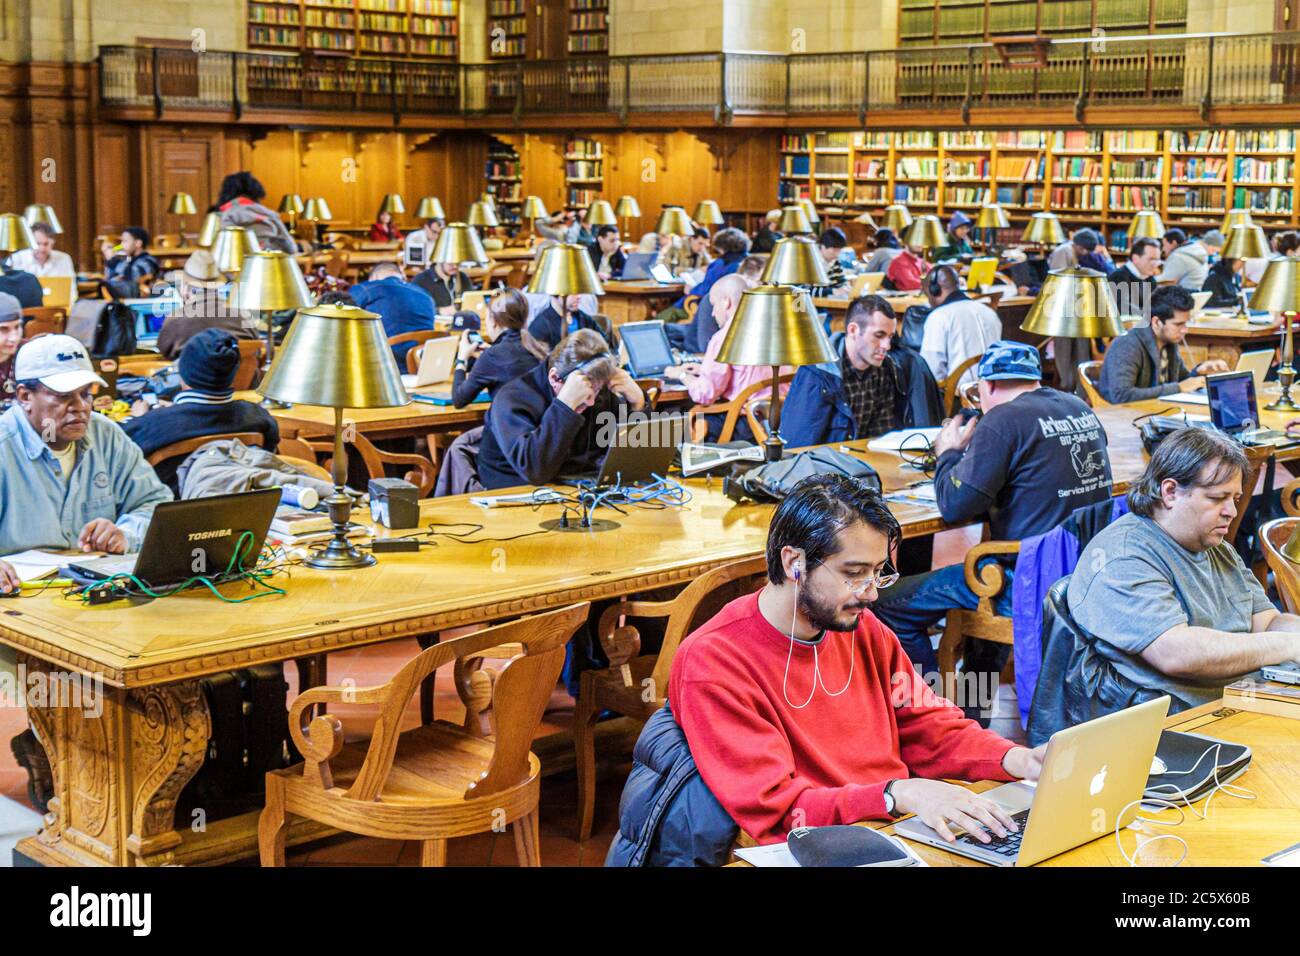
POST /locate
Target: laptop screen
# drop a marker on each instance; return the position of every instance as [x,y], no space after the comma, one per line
[647,347]
[151,313]
[1232,401]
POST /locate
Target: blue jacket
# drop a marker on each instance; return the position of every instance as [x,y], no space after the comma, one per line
[549,328]
[667,815]
[715,271]
[817,413]
[402,307]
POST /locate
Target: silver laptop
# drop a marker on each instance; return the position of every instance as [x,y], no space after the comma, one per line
[436,363]
[1257,363]
[1090,774]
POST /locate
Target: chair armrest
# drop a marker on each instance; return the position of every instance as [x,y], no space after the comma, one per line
[988,581]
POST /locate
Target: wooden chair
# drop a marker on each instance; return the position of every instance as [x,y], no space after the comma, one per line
[44,320]
[413,355]
[423,473]
[1256,458]
[1286,574]
[691,305]
[969,394]
[650,387]
[983,622]
[181,449]
[949,385]
[1089,376]
[336,262]
[733,409]
[636,685]
[250,363]
[438,781]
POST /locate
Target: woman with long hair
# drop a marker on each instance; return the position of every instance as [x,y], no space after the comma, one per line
[240,204]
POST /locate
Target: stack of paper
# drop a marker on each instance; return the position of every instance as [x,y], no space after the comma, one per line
[35,565]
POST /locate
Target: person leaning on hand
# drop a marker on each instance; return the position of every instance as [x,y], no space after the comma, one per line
[69,479]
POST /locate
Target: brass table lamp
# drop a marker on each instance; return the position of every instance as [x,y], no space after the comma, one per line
[1074,304]
[897,218]
[458,243]
[601,213]
[811,209]
[270,282]
[795,260]
[1279,291]
[337,356]
[290,208]
[1235,217]
[315,212]
[393,204]
[708,213]
[232,246]
[927,232]
[673,221]
[483,215]
[627,208]
[430,208]
[1246,242]
[1044,229]
[15,234]
[42,212]
[565,269]
[209,230]
[1146,224]
[182,205]
[794,221]
[534,209]
[990,219]
[775,326]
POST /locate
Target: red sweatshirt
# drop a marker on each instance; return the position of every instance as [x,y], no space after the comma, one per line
[774,767]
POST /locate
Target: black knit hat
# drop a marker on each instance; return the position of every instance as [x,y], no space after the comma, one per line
[209,361]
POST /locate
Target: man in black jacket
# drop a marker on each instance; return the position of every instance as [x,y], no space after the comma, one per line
[1144,363]
[550,326]
[549,422]
[605,253]
[205,406]
[1135,281]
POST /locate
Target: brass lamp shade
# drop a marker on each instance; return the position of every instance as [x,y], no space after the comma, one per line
[926,232]
[317,210]
[234,244]
[1075,303]
[707,213]
[795,260]
[40,212]
[15,234]
[811,209]
[336,356]
[566,269]
[866,220]
[627,208]
[794,221]
[290,205]
[208,231]
[1279,286]
[1247,242]
[1045,229]
[897,218]
[392,204]
[673,221]
[458,242]
[488,199]
[601,213]
[1236,217]
[1147,224]
[534,208]
[992,216]
[775,325]
[182,204]
[270,282]
[430,208]
[481,214]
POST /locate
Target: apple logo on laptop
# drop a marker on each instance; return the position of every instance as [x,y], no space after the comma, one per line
[1098,782]
[1063,764]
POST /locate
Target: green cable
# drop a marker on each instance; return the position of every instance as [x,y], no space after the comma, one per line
[253,576]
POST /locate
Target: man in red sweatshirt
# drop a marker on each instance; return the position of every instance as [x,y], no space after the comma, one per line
[801,708]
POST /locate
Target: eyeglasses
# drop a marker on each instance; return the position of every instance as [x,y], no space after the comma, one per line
[885,576]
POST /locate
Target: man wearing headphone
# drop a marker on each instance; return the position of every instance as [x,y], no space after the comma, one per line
[957,328]
[802,709]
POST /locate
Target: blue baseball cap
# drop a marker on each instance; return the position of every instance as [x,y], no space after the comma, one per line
[1010,360]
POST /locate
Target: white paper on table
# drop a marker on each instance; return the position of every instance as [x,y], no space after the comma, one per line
[909,439]
[34,565]
[1189,398]
[1288,857]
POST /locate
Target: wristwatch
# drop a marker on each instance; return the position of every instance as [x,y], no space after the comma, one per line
[461,365]
[890,803]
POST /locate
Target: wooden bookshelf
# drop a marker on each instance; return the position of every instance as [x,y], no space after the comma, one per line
[584,171]
[1098,178]
[406,29]
[933,22]
[504,174]
[507,27]
[588,28]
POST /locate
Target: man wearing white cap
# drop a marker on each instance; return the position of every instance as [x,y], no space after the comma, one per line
[68,478]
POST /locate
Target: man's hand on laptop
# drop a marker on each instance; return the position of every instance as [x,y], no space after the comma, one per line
[102,535]
[1211,367]
[1023,763]
[9,580]
[1191,384]
[939,804]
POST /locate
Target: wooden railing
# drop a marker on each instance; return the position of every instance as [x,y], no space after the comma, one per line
[1197,70]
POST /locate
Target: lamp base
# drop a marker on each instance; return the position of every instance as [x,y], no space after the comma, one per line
[276,403]
[773,448]
[338,557]
[1285,376]
[594,524]
[1283,404]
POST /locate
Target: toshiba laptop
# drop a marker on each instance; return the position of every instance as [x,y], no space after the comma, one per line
[1234,410]
[1091,773]
[638,264]
[643,448]
[1257,363]
[195,536]
[436,363]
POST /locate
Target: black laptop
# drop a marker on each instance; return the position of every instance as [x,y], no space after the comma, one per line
[196,536]
[1234,409]
[648,349]
[643,450]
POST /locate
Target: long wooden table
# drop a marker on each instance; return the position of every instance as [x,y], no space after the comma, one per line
[1236,832]
[637,300]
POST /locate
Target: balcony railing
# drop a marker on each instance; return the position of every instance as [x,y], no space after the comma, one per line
[1197,70]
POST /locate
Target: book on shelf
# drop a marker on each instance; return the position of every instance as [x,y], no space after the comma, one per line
[915,167]
[966,168]
[1198,168]
[833,193]
[871,195]
[915,194]
[1148,169]
[915,139]
[870,169]
[1020,167]
[966,139]
[788,191]
[1132,198]
[1196,199]
[1019,139]
[1199,141]
[1135,140]
[1076,197]
[1077,167]
[1265,140]
[1249,170]
[829,165]
[1077,141]
[1271,199]
[795,165]
[832,141]
[797,142]
[873,140]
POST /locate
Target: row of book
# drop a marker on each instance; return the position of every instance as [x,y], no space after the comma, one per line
[830,165]
[434,27]
[507,8]
[1133,198]
[1076,197]
[583,149]
[1201,141]
[973,139]
[916,194]
[1018,167]
[799,141]
[914,167]
[435,8]
[1197,199]
[338,19]
[833,193]
[582,197]
[1136,169]
[795,165]
[871,195]
[257,13]
[788,191]
[1264,140]
[582,169]
[1264,200]
[866,140]
[1262,170]
[588,4]
[965,195]
[1077,141]
[589,21]
[503,168]
[1197,168]
[588,42]
[915,139]
[1077,167]
[870,169]
[967,169]
[393,23]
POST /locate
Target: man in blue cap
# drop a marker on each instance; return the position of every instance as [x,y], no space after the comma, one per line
[958,238]
[1033,457]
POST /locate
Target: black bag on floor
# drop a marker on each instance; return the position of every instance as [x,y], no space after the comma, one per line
[775,480]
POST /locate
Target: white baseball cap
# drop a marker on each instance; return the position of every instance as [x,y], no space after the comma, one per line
[59,362]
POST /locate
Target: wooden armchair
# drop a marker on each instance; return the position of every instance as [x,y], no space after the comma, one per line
[949,385]
[181,449]
[250,362]
[692,305]
[650,387]
[423,473]
[1089,375]
[1286,574]
[634,684]
[43,319]
[438,781]
[733,409]
[416,352]
[983,622]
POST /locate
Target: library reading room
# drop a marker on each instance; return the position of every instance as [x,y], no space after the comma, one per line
[456,433]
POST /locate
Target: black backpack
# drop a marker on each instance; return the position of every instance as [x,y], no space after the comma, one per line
[104,326]
[776,479]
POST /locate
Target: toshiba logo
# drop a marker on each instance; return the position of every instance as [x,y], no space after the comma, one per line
[205,535]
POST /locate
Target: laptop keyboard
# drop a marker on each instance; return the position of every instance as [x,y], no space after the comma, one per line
[1008,846]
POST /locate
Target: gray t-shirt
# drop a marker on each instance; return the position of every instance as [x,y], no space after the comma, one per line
[1134,582]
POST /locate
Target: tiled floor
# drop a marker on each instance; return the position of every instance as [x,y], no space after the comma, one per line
[376,664]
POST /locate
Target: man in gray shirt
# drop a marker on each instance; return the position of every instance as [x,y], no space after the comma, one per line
[1163,586]
[1187,261]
